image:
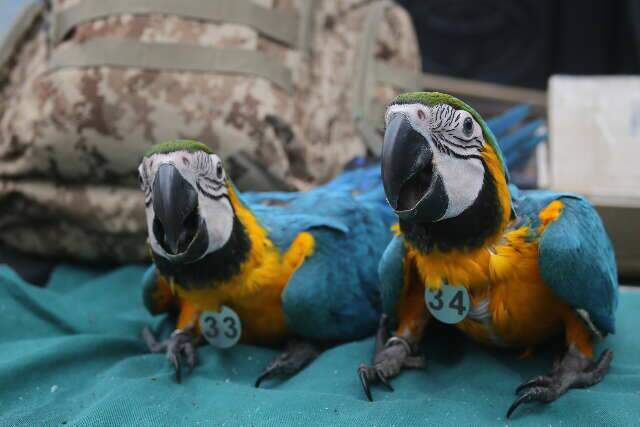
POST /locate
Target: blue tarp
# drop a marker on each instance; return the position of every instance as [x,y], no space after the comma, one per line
[70,354]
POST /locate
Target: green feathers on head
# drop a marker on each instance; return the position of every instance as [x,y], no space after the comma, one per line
[177,145]
[436,98]
[432,98]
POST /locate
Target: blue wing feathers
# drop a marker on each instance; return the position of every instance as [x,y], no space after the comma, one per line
[334,294]
[391,275]
[149,281]
[575,254]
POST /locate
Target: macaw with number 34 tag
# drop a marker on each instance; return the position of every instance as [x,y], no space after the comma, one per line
[509,268]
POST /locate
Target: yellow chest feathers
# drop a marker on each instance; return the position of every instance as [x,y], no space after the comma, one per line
[511,304]
[255,291]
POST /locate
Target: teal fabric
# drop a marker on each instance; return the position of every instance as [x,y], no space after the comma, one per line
[70,354]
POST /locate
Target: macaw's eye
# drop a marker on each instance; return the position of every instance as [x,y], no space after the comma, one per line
[467,126]
[219,171]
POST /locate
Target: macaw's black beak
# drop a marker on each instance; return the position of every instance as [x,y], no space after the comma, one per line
[175,204]
[413,187]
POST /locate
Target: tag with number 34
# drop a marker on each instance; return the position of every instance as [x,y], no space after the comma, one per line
[449,304]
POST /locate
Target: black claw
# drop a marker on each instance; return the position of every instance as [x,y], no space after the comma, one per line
[574,370]
[362,371]
[258,381]
[515,404]
[384,380]
[261,377]
[540,394]
[538,381]
[179,345]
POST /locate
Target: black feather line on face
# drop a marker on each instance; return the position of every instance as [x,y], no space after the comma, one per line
[441,144]
[470,139]
[465,146]
[209,195]
[439,117]
[213,183]
[451,116]
[202,163]
[469,230]
[147,195]
[442,135]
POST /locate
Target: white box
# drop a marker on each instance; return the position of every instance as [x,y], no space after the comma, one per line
[594,150]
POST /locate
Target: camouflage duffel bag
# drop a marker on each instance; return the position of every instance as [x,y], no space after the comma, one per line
[287,91]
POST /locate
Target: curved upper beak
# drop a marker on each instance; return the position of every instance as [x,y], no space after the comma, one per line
[175,204]
[412,186]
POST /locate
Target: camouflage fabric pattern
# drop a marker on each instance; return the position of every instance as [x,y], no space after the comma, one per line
[71,139]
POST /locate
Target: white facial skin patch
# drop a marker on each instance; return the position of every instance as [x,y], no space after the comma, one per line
[206,174]
[456,140]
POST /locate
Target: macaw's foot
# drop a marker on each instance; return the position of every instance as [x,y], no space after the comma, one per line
[391,356]
[574,371]
[296,355]
[180,344]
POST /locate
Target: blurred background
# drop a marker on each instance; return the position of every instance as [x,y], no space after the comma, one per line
[10,9]
[71,135]
[523,43]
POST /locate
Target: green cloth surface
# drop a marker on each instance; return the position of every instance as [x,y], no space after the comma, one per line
[70,354]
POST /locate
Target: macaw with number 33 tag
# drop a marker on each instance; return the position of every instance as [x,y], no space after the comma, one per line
[275,268]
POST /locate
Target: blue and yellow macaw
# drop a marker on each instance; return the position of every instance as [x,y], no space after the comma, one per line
[291,265]
[532,264]
[294,267]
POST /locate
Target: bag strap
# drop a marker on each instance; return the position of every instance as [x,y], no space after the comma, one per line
[305,29]
[17,31]
[171,56]
[364,84]
[282,26]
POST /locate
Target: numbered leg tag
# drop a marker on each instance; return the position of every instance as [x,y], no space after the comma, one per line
[221,329]
[449,304]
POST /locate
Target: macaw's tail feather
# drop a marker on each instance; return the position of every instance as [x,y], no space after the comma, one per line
[359,180]
[364,183]
[516,136]
[500,125]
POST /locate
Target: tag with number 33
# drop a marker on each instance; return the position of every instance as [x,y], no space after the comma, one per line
[221,329]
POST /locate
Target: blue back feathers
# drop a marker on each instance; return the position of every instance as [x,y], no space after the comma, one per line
[334,294]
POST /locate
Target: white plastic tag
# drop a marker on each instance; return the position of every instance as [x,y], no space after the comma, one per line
[221,329]
[449,304]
